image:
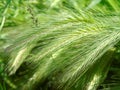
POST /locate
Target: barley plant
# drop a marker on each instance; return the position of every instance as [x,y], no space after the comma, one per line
[59,44]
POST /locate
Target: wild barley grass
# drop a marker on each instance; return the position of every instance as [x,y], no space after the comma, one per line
[72,48]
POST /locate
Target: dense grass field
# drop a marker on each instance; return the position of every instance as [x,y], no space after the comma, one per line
[59,44]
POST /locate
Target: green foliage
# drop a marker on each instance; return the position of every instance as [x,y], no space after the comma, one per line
[59,45]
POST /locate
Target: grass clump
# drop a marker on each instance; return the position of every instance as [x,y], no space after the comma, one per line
[65,45]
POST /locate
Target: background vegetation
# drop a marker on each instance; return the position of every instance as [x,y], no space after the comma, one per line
[59,45]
